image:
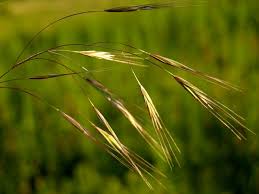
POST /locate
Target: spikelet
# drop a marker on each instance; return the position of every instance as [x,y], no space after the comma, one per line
[229,118]
[165,138]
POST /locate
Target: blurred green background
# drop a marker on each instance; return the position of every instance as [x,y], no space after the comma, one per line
[41,153]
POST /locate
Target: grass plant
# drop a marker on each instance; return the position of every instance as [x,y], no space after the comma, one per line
[160,139]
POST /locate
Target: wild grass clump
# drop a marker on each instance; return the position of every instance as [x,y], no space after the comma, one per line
[160,138]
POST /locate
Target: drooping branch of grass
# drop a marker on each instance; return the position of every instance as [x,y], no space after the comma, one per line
[163,143]
[136,58]
[129,58]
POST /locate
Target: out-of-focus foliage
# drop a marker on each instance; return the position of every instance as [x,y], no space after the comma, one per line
[41,153]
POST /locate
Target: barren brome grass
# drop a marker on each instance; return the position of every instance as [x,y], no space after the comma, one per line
[160,139]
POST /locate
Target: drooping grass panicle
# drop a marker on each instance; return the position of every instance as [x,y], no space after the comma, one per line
[107,56]
[103,55]
[165,139]
[225,115]
[163,144]
[227,112]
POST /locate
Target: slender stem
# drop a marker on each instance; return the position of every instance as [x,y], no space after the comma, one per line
[48,26]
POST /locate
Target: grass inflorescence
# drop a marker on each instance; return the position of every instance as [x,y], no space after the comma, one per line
[161,141]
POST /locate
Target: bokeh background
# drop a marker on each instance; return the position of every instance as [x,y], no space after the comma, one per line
[41,153]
